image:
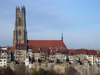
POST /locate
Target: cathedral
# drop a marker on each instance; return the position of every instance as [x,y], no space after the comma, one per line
[23,45]
[20,32]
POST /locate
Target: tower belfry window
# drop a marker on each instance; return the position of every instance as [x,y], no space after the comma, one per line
[19,21]
[19,32]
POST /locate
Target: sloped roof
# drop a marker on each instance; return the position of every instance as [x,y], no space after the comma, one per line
[46,43]
[72,52]
[92,52]
[21,46]
[13,49]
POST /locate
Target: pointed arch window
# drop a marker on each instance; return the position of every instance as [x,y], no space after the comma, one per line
[19,32]
[19,21]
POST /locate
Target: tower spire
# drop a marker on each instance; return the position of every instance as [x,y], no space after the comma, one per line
[62,37]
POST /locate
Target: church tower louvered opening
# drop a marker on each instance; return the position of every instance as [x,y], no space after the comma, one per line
[20,32]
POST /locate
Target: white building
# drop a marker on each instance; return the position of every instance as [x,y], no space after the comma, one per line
[98,60]
[90,59]
[26,61]
[52,58]
[3,57]
[61,57]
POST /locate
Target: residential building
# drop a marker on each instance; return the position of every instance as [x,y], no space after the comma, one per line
[12,53]
[51,58]
[8,54]
[61,57]
[3,56]
[20,52]
[98,60]
[91,56]
[39,56]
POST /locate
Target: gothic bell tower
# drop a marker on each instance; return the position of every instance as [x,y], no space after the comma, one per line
[20,32]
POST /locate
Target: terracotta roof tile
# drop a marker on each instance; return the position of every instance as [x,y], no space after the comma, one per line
[13,49]
[46,43]
[21,46]
[92,52]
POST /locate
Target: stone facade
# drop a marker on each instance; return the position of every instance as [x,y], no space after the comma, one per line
[20,52]
[20,55]
[20,32]
[9,55]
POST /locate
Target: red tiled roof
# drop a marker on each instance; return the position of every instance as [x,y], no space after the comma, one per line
[21,46]
[77,51]
[82,51]
[13,49]
[91,52]
[97,51]
[72,52]
[46,43]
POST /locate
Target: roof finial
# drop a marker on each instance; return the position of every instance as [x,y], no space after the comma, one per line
[62,37]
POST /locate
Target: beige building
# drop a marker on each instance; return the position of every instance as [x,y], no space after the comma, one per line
[20,52]
[39,56]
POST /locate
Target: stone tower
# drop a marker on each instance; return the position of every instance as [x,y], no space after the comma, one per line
[20,32]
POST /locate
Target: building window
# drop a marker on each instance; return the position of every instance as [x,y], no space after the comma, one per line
[19,32]
[0,60]
[4,60]
[19,21]
[56,48]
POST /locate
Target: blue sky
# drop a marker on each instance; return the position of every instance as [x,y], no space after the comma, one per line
[79,20]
